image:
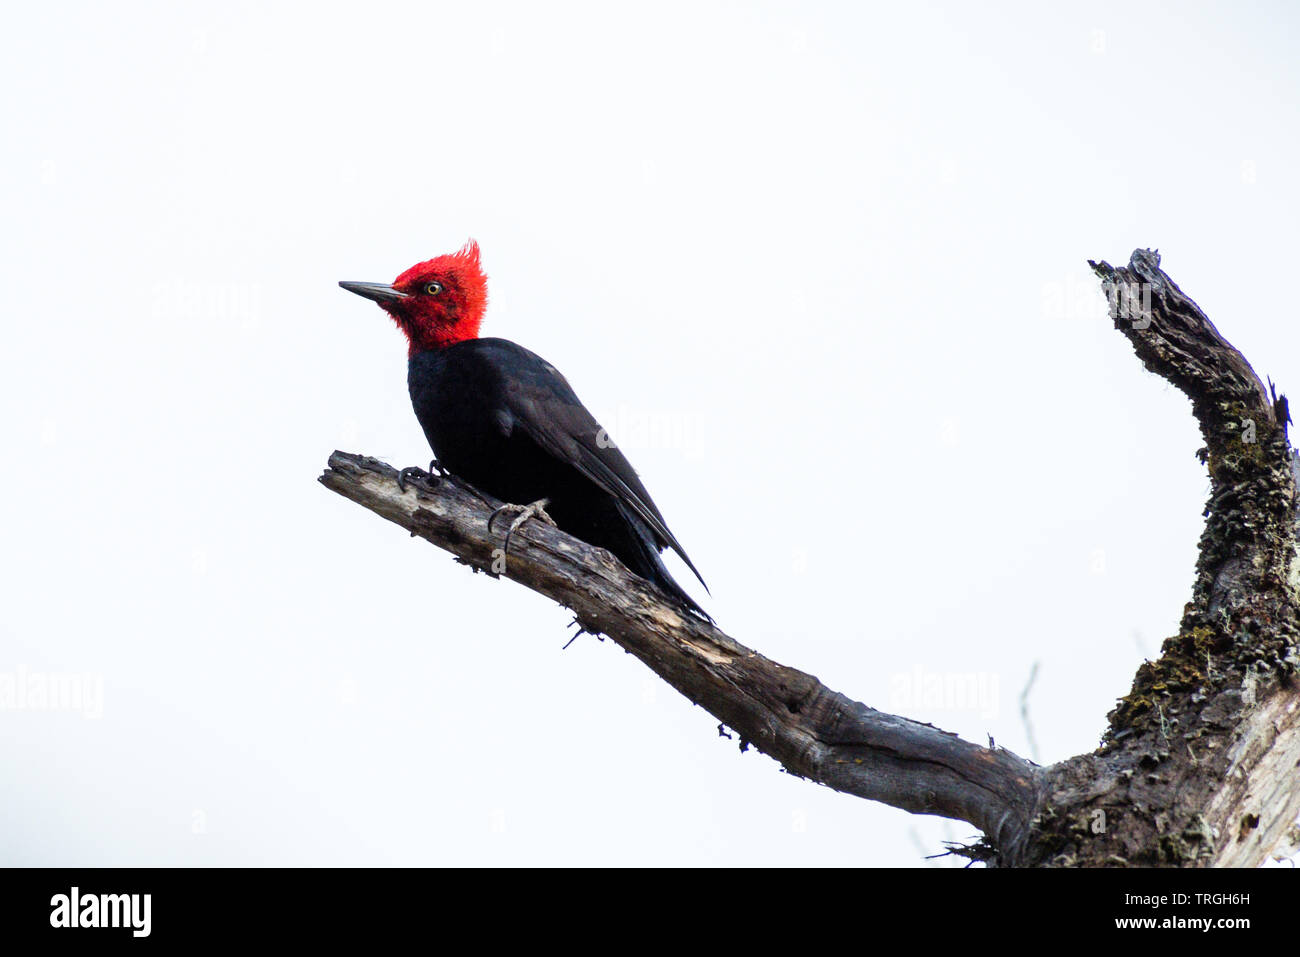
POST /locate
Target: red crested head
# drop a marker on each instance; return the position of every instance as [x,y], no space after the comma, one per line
[437,303]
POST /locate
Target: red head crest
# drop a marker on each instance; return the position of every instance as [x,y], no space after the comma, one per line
[437,303]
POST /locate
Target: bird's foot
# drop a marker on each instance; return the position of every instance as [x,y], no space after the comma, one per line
[523,513]
[416,475]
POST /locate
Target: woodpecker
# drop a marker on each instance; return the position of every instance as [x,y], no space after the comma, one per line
[507,422]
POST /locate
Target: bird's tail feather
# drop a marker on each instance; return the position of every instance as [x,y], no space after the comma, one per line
[653,569]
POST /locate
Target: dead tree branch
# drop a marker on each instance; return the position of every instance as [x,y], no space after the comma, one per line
[1198,766]
[814,732]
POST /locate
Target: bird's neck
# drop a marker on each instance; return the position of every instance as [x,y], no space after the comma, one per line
[441,337]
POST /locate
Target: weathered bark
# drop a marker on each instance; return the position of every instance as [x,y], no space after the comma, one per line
[1199,765]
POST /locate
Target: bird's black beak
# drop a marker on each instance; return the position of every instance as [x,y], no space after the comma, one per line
[378,291]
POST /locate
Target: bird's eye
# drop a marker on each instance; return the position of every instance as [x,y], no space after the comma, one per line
[433,288]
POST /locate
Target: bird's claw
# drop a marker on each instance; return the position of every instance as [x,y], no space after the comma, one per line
[523,513]
[414,474]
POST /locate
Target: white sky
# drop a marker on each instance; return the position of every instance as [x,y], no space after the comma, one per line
[820,268]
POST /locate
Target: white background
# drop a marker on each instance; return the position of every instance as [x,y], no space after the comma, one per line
[820,268]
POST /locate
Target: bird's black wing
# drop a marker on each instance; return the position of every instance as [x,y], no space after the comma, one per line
[544,406]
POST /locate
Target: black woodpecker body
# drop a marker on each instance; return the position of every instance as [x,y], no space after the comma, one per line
[508,423]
